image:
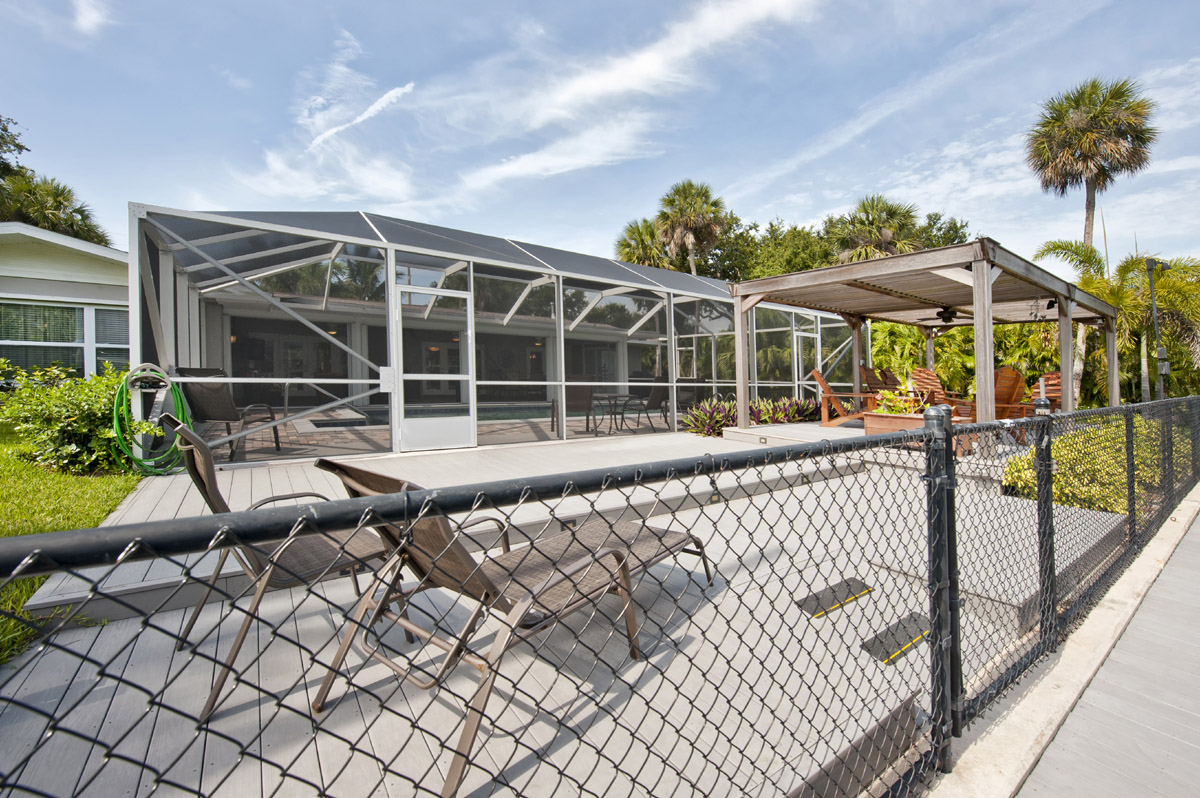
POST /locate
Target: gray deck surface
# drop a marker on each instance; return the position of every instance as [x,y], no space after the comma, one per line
[1136,729]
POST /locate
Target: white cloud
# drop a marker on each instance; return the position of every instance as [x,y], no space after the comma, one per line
[236,81]
[82,22]
[389,98]
[999,43]
[1176,89]
[91,16]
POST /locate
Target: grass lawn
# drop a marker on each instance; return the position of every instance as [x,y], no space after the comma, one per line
[34,499]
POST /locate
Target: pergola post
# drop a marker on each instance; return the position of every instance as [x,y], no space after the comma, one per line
[741,361]
[929,334]
[1110,354]
[855,323]
[1066,353]
[985,351]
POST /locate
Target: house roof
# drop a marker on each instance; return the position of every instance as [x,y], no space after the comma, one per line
[21,233]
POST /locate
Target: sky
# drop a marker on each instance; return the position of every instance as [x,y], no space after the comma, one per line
[558,123]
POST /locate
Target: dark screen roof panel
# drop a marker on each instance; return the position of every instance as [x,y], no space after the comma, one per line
[586,265]
[340,224]
[472,246]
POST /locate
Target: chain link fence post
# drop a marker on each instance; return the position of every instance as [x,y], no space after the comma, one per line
[1168,471]
[1130,475]
[1193,417]
[956,673]
[1047,572]
[937,483]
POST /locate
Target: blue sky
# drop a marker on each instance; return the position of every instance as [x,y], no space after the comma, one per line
[558,122]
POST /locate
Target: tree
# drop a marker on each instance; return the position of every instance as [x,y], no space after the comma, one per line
[939,230]
[690,219]
[10,146]
[639,243]
[783,250]
[1087,137]
[1087,262]
[46,203]
[876,228]
[732,255]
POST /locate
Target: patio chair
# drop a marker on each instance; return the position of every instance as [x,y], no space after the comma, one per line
[213,402]
[841,405]
[656,401]
[579,399]
[529,587]
[883,380]
[294,562]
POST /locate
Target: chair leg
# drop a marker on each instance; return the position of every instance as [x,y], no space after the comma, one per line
[360,612]
[275,430]
[475,709]
[626,592]
[224,670]
[212,582]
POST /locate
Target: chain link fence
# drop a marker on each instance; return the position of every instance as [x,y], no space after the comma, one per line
[813,621]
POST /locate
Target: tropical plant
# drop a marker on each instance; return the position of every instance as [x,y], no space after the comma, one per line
[640,243]
[1087,137]
[690,219]
[894,403]
[49,204]
[1087,263]
[710,416]
[877,227]
[10,147]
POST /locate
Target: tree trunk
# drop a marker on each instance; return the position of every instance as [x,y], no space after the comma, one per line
[1089,211]
[692,260]
[1145,372]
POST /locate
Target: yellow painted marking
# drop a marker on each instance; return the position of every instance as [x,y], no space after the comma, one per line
[847,601]
[909,644]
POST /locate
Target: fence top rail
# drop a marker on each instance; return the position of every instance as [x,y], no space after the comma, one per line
[51,552]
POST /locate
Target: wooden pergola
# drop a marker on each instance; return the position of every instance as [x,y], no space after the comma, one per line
[979,283]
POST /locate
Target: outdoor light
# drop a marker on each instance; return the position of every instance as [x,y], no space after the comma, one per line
[332,332]
[1052,304]
[1160,352]
[233,339]
[434,349]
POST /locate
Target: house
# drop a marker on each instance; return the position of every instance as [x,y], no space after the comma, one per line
[62,300]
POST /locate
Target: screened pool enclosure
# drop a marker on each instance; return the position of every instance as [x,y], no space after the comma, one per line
[364,333]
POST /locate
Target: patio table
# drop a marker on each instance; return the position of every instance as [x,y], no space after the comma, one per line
[614,402]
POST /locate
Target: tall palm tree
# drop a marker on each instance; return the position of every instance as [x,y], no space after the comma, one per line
[877,227]
[1087,137]
[690,219]
[639,243]
[46,203]
[1088,264]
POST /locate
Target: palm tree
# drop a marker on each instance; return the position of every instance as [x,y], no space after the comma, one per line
[1088,264]
[46,203]
[1087,137]
[690,219]
[876,228]
[639,243]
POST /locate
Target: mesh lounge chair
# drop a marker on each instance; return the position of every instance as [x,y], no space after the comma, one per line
[296,561]
[529,587]
[838,408]
[213,402]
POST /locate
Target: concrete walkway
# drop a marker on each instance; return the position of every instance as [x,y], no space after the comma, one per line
[1116,710]
[1136,730]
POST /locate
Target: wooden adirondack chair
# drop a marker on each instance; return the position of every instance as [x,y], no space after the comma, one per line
[838,408]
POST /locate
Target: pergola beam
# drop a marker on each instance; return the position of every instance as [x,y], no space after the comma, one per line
[1066,353]
[985,376]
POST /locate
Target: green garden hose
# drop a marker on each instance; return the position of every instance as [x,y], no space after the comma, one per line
[147,462]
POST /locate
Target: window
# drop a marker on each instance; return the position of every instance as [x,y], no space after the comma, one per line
[32,336]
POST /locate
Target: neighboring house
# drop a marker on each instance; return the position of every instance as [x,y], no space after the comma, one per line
[62,300]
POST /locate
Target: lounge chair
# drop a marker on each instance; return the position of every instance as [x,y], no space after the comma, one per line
[294,562]
[838,408]
[529,587]
[883,380]
[213,402]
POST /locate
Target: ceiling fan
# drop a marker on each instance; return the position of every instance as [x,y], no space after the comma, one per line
[946,315]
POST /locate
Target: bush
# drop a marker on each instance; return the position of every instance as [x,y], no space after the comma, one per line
[1090,465]
[67,422]
[711,416]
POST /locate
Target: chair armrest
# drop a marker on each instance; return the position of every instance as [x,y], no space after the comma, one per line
[505,544]
[522,614]
[285,496]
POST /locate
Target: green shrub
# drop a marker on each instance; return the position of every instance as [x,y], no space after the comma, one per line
[1090,464]
[67,422]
